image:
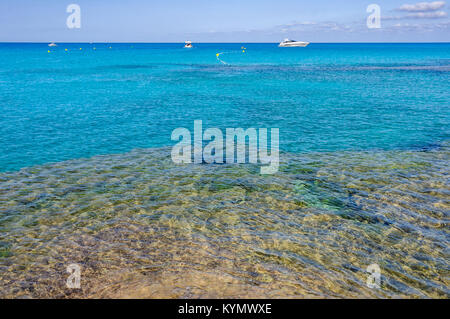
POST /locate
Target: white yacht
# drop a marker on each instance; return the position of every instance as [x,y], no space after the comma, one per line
[188,45]
[292,43]
[53,44]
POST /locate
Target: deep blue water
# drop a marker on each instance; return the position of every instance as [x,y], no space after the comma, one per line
[62,105]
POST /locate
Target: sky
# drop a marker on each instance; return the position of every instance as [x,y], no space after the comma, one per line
[224,21]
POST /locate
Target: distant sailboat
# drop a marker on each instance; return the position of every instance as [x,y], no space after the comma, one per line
[188,45]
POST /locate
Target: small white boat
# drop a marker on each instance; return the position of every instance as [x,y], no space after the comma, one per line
[292,43]
[53,44]
[188,45]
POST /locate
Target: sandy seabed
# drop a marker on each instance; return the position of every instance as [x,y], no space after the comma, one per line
[142,227]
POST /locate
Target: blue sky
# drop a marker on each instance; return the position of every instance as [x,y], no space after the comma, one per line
[223,21]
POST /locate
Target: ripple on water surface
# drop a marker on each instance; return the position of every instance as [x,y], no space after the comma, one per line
[140,226]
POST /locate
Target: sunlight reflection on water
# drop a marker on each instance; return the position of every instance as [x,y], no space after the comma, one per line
[141,226]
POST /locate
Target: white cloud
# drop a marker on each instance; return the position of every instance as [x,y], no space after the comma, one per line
[419,15]
[428,15]
[418,27]
[313,26]
[422,6]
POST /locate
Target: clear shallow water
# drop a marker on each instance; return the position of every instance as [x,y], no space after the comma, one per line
[365,174]
[141,226]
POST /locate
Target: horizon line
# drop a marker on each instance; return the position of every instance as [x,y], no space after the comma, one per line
[141,42]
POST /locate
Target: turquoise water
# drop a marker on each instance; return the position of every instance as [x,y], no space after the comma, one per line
[86,175]
[64,105]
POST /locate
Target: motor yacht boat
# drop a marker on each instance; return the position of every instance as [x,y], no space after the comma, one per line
[287,43]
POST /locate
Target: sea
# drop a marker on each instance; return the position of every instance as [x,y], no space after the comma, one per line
[87,178]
